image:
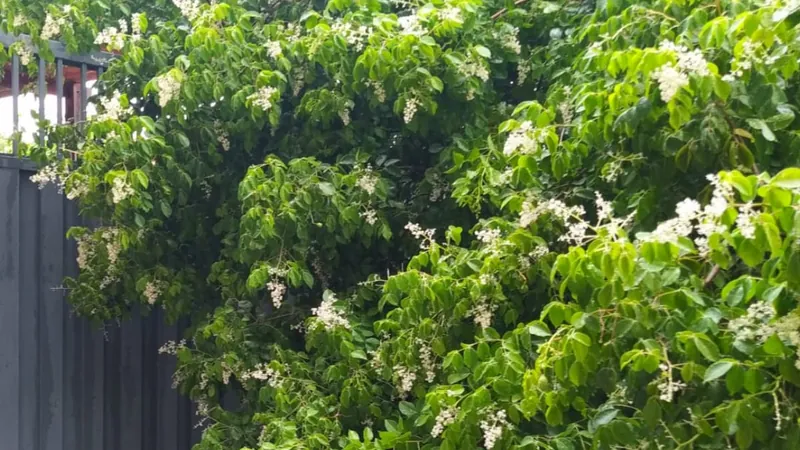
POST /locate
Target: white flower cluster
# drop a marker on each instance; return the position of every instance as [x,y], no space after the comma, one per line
[172,347]
[276,292]
[19,20]
[50,173]
[476,69]
[25,53]
[749,57]
[427,360]
[356,36]
[370,216]
[526,139]
[113,248]
[489,236]
[672,77]
[328,315]
[410,109]
[523,70]
[482,313]
[113,109]
[120,190]
[189,8]
[557,208]
[410,25]
[509,36]
[746,221]
[273,49]
[136,26]
[52,26]
[405,379]
[668,387]
[168,88]
[688,211]
[113,37]
[222,136]
[152,291]
[757,325]
[85,251]
[425,235]
[447,416]
[264,373]
[263,97]
[451,13]
[344,114]
[77,188]
[493,428]
[368,181]
[377,88]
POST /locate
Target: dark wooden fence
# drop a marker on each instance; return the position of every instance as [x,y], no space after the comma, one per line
[64,383]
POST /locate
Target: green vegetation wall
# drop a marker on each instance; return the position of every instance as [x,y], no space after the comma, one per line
[454,224]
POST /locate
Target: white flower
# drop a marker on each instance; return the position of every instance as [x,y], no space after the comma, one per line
[370,216]
[410,110]
[50,173]
[189,8]
[410,25]
[264,373]
[172,347]
[450,13]
[120,190]
[52,27]
[604,209]
[493,428]
[670,81]
[152,291]
[368,181]
[482,313]
[377,88]
[746,221]
[168,88]
[273,49]
[526,140]
[328,315]
[687,209]
[112,37]
[425,235]
[474,69]
[276,292]
[263,97]
[488,236]
[25,53]
[136,26]
[113,109]
[19,20]
[405,379]
[427,360]
[447,416]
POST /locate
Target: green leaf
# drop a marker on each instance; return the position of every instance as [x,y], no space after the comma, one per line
[166,209]
[787,178]
[717,370]
[539,328]
[708,348]
[407,409]
[358,354]
[483,51]
[602,418]
[327,188]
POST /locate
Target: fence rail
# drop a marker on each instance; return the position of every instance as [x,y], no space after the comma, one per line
[64,383]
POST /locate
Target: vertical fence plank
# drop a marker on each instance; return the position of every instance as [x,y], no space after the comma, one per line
[59,91]
[15,100]
[84,94]
[51,235]
[28,311]
[42,85]
[111,391]
[150,381]
[168,398]
[73,435]
[131,382]
[9,307]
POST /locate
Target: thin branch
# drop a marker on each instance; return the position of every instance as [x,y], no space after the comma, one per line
[711,275]
[500,13]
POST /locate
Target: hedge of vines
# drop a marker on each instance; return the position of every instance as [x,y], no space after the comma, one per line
[448,224]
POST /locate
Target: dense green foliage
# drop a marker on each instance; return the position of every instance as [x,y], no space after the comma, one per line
[451,224]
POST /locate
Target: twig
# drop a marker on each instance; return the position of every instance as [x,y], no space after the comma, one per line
[711,275]
[500,13]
